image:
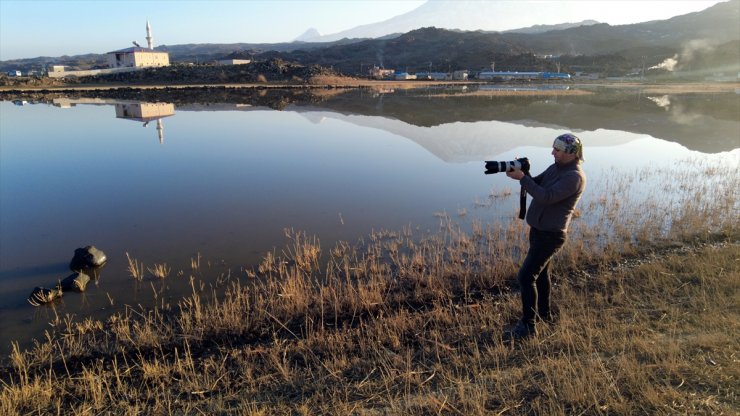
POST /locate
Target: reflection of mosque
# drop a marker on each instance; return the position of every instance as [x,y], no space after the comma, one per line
[146,112]
[129,110]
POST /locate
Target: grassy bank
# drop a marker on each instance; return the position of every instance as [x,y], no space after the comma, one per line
[652,335]
[408,324]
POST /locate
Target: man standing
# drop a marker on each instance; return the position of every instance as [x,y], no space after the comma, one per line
[555,193]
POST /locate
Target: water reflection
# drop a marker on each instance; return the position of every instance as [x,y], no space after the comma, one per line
[703,122]
[144,112]
[706,122]
[334,163]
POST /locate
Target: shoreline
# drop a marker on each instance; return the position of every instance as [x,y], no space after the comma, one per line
[422,342]
[647,87]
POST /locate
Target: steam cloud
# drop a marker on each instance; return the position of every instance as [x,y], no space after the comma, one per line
[669,64]
[690,49]
[663,102]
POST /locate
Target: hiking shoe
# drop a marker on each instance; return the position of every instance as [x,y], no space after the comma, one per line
[520,331]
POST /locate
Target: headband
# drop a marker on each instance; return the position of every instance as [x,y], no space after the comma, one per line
[569,143]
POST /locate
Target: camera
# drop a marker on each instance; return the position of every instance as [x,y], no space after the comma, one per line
[517,164]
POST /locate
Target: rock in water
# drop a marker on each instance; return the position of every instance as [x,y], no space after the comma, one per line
[42,295]
[87,258]
[77,281]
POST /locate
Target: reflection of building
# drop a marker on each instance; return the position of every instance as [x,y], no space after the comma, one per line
[508,75]
[146,112]
[127,110]
[141,111]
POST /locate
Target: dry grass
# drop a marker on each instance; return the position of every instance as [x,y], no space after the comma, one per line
[411,324]
[160,271]
[135,269]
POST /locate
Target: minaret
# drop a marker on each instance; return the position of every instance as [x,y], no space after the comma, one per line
[149,38]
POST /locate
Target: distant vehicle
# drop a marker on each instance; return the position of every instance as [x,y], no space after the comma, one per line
[15,73]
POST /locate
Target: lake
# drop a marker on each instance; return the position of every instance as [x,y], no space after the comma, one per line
[171,178]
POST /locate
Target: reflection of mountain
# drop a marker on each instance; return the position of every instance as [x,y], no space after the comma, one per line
[128,110]
[703,122]
[464,141]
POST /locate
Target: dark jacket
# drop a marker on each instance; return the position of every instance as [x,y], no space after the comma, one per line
[555,193]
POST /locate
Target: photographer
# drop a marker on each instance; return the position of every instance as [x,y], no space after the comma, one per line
[555,193]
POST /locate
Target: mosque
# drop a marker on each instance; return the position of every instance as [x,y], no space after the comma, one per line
[137,56]
[124,60]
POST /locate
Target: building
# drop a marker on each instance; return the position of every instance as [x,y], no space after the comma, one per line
[437,76]
[460,75]
[139,57]
[233,61]
[124,60]
[381,73]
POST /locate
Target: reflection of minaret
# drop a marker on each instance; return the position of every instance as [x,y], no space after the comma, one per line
[160,130]
[146,112]
[149,38]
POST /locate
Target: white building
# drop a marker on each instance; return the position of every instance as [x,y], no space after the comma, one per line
[233,61]
[137,56]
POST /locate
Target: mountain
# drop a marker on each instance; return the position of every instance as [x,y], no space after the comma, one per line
[422,49]
[713,26]
[612,50]
[310,35]
[699,41]
[458,14]
[550,28]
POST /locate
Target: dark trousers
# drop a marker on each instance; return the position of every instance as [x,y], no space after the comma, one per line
[534,275]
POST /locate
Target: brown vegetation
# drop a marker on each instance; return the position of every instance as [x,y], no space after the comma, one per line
[409,324]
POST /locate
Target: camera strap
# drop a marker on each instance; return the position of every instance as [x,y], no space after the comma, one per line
[522,203]
[523,199]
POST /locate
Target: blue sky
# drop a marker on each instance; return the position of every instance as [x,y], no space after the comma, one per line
[31,28]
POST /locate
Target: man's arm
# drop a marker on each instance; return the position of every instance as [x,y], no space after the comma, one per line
[566,186]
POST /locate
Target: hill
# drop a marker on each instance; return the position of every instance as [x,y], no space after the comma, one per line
[711,34]
[614,50]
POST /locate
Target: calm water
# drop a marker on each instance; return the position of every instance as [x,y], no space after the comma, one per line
[165,182]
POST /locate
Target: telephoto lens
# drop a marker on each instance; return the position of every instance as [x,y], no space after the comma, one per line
[517,164]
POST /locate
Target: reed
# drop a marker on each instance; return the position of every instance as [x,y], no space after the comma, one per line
[135,269]
[160,271]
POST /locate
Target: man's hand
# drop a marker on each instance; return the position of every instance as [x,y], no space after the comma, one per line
[515,174]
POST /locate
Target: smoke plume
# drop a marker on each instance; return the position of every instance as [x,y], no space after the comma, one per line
[688,54]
